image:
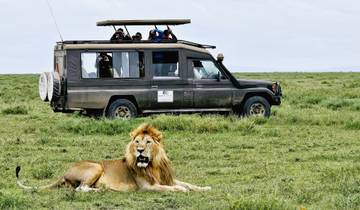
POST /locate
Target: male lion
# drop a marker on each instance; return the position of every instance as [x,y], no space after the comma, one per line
[144,167]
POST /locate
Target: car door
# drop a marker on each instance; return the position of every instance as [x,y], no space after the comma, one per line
[169,86]
[211,88]
[88,87]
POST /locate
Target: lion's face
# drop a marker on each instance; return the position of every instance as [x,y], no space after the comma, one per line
[144,146]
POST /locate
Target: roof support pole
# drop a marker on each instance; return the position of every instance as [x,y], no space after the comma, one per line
[127,31]
[114,27]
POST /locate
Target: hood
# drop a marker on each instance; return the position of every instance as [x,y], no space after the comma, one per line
[245,83]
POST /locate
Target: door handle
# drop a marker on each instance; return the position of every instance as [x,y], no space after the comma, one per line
[154,86]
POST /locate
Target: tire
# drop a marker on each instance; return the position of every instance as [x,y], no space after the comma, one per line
[53,86]
[43,86]
[122,109]
[256,106]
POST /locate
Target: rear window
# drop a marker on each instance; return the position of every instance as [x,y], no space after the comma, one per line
[112,65]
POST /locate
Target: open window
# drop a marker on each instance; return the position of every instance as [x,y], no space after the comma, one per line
[112,65]
[165,64]
[206,69]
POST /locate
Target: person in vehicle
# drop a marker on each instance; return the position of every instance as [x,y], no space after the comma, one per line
[198,70]
[156,35]
[152,35]
[202,70]
[137,37]
[127,37]
[104,65]
[118,35]
[169,35]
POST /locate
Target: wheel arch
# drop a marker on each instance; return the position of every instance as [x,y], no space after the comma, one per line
[263,94]
[116,97]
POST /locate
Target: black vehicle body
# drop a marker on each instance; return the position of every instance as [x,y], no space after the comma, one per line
[180,91]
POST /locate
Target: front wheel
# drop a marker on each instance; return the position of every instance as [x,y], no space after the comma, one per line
[256,106]
[122,109]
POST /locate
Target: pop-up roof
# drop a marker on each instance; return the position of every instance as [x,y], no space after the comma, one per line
[143,22]
[153,22]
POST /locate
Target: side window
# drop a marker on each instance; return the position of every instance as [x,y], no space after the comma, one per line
[205,70]
[165,64]
[113,65]
[88,65]
[128,64]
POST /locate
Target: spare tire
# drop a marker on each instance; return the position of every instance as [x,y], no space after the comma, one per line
[43,86]
[53,86]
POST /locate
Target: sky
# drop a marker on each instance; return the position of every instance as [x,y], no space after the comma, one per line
[254,35]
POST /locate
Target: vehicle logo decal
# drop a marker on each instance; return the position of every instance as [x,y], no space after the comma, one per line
[165,96]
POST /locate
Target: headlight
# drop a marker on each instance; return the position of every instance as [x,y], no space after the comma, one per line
[276,88]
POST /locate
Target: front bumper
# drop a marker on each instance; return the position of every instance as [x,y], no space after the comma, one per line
[276,100]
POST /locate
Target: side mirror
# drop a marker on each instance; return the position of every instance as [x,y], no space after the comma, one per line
[220,57]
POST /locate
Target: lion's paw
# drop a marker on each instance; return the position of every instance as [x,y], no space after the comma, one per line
[178,188]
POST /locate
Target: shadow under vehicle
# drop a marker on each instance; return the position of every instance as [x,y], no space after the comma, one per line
[140,76]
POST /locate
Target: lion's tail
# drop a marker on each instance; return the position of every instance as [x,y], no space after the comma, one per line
[18,182]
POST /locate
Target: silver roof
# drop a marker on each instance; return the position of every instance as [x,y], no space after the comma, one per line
[134,46]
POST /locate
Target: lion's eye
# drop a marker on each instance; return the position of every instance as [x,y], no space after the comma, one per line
[137,141]
[148,142]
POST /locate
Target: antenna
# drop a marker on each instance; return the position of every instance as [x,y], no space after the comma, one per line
[54,19]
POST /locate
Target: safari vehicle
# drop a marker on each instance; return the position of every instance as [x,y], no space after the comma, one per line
[149,77]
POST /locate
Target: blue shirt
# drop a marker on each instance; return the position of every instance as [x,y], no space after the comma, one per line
[160,35]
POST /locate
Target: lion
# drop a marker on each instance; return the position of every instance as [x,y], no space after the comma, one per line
[145,167]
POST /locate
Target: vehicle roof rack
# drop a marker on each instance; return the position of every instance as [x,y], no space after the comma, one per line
[143,22]
[137,42]
[197,44]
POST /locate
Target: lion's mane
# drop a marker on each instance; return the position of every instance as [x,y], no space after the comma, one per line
[159,169]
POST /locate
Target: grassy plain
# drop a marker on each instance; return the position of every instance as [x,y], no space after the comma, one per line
[306,154]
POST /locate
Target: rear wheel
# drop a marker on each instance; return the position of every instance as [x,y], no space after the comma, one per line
[257,106]
[122,109]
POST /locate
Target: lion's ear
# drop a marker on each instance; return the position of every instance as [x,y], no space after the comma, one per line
[155,134]
[132,135]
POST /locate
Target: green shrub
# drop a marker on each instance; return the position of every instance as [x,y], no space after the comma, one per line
[88,126]
[339,103]
[174,123]
[353,125]
[259,204]
[170,123]
[44,172]
[336,104]
[15,110]
[313,100]
[12,202]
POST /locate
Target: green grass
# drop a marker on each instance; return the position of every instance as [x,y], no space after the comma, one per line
[306,154]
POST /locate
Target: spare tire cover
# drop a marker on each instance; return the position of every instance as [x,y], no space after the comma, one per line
[43,86]
[53,86]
